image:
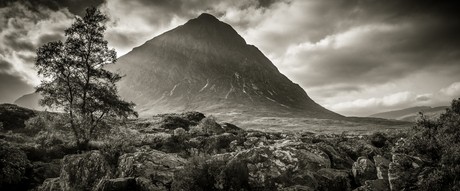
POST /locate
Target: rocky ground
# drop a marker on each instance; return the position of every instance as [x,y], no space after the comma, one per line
[191,152]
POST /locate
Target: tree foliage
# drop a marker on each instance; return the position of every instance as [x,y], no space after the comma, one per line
[437,141]
[75,79]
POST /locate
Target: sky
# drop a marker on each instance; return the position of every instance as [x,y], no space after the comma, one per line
[354,57]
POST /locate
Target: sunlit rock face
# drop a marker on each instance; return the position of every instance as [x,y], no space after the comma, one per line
[206,65]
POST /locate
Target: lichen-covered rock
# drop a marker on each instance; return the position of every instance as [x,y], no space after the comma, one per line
[255,142]
[118,184]
[382,164]
[339,160]
[374,185]
[356,148]
[51,184]
[363,169]
[298,188]
[335,179]
[403,171]
[283,165]
[84,171]
[156,166]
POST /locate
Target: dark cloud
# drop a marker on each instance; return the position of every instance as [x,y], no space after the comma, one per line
[11,86]
[76,7]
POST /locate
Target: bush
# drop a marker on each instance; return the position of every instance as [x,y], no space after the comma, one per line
[13,164]
[112,150]
[437,142]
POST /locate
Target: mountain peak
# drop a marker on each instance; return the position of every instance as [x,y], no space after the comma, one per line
[207,17]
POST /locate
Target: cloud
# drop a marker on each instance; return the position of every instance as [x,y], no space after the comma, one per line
[23,29]
[399,100]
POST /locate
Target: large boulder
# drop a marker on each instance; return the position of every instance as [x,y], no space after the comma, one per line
[356,148]
[118,184]
[84,171]
[403,171]
[374,185]
[339,180]
[51,184]
[283,165]
[42,171]
[382,164]
[156,167]
[363,169]
[339,160]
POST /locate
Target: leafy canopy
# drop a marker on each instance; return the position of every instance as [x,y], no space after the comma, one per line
[75,79]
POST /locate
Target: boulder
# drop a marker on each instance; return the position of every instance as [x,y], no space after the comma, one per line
[298,188]
[363,169]
[42,171]
[118,184]
[356,148]
[339,160]
[378,139]
[84,171]
[51,184]
[374,185]
[403,171]
[382,164]
[156,167]
[283,165]
[339,180]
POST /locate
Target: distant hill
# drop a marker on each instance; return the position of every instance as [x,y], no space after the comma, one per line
[411,114]
[29,101]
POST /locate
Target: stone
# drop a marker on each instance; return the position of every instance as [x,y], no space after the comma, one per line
[156,167]
[335,179]
[298,188]
[374,185]
[378,139]
[357,148]
[403,171]
[51,184]
[42,171]
[363,169]
[382,164]
[118,184]
[283,165]
[84,171]
[339,160]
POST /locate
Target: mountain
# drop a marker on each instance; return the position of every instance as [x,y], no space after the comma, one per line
[206,65]
[29,101]
[412,114]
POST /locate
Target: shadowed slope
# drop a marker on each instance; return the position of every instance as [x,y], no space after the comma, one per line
[205,65]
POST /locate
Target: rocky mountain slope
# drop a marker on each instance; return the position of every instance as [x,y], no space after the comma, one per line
[206,65]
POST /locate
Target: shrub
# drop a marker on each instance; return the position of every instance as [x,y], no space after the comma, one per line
[13,164]
[112,150]
[437,141]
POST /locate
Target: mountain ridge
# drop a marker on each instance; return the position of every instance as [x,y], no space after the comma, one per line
[206,65]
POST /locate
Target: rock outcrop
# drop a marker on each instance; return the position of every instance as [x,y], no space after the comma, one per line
[363,169]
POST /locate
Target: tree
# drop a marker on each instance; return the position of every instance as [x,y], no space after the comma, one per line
[75,80]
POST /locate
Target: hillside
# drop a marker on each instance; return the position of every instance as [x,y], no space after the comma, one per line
[206,65]
[411,114]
